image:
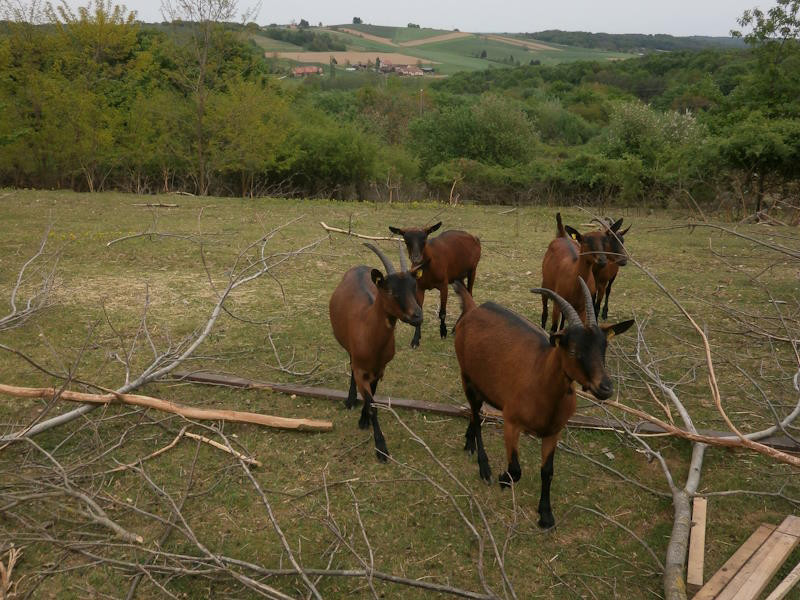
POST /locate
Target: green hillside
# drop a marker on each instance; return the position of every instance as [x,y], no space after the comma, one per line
[473,52]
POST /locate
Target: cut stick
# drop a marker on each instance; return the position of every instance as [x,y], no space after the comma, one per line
[190,412]
[697,546]
[354,234]
[194,436]
[729,570]
[785,586]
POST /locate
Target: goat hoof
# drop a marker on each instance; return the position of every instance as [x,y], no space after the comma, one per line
[546,520]
[348,404]
[505,480]
[415,343]
[382,454]
[486,474]
[363,422]
[470,447]
[443,331]
[605,315]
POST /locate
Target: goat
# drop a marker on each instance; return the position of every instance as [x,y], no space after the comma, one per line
[509,363]
[438,262]
[614,246]
[564,262]
[364,309]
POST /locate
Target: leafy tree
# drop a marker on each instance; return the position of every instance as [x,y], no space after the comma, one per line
[303,24]
[357,21]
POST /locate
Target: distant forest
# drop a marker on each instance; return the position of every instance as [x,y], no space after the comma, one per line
[634,42]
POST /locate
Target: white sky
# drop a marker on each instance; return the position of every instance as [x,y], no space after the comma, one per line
[676,17]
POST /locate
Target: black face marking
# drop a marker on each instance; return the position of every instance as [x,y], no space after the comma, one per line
[415,240]
[402,289]
[587,347]
[594,246]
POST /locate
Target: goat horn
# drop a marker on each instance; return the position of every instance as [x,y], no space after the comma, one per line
[566,308]
[591,319]
[387,264]
[403,263]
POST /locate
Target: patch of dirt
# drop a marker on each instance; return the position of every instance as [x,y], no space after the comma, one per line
[353,57]
[437,38]
[368,36]
[523,43]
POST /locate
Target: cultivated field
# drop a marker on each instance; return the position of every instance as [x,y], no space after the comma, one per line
[450,51]
[336,505]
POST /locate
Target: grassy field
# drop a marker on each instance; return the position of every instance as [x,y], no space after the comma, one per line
[413,528]
[449,56]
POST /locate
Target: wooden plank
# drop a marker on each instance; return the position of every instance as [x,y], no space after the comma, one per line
[788,537]
[756,574]
[727,572]
[785,586]
[779,442]
[697,546]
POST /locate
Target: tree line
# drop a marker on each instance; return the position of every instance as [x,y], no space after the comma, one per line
[93,100]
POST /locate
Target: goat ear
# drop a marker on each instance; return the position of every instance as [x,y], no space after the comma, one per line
[616,226]
[433,228]
[612,330]
[396,230]
[573,233]
[377,277]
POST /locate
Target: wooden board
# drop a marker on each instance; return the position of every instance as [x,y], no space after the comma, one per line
[727,572]
[779,442]
[757,572]
[697,546]
[785,586]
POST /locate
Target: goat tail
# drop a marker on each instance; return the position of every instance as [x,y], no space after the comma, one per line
[467,303]
[560,231]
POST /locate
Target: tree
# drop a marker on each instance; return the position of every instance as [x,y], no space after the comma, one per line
[775,39]
[303,24]
[357,21]
[201,66]
[483,54]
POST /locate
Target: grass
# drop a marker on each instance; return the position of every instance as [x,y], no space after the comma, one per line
[413,529]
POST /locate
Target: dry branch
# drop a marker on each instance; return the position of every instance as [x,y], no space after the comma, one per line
[354,234]
[189,412]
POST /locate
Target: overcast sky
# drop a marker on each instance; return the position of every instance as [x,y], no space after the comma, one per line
[676,17]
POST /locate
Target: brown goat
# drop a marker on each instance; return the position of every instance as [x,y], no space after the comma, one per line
[614,246]
[511,364]
[452,255]
[364,309]
[564,262]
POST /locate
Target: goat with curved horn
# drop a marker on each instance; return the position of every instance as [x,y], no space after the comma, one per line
[569,313]
[591,318]
[387,264]
[512,364]
[364,310]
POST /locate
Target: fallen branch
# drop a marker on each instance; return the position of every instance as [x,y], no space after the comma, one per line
[155,205]
[181,434]
[190,412]
[358,235]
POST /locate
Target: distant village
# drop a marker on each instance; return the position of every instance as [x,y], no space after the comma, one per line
[380,66]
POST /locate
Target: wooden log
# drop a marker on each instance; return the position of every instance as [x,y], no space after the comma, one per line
[732,566]
[190,412]
[756,574]
[785,586]
[779,442]
[697,546]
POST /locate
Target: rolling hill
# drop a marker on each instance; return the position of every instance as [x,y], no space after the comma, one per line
[446,50]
